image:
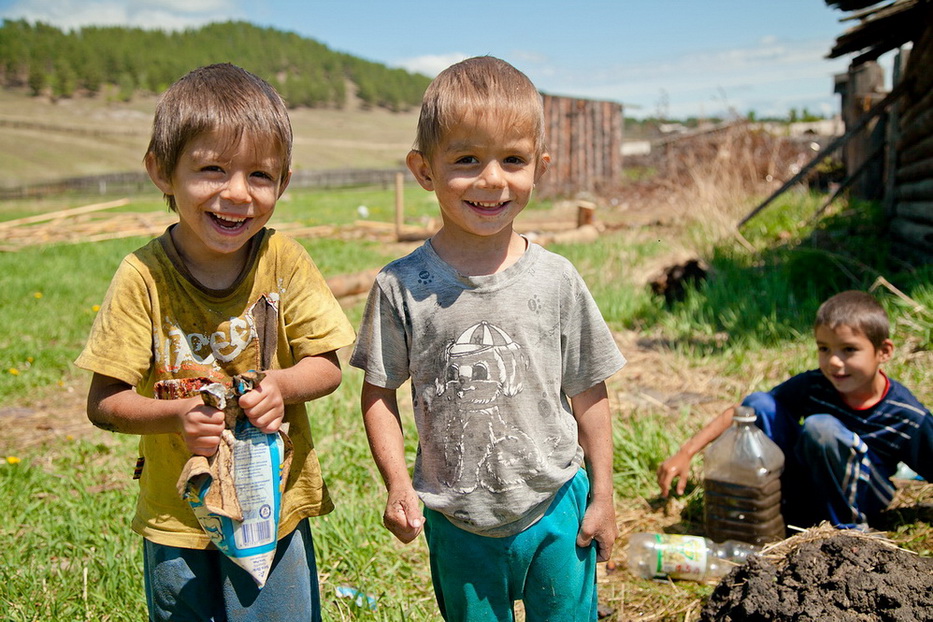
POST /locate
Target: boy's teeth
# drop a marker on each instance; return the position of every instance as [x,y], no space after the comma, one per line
[232,221]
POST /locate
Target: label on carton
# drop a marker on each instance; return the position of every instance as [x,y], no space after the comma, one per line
[251,542]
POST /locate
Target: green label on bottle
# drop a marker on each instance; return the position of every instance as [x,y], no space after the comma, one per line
[681,557]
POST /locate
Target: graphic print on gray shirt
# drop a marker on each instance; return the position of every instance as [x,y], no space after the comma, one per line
[492,361]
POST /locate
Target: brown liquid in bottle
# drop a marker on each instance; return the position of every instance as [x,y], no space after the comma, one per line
[744,513]
[742,484]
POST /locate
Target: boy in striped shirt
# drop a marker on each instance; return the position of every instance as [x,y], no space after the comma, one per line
[844,427]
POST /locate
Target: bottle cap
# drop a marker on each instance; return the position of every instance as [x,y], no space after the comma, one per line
[744,414]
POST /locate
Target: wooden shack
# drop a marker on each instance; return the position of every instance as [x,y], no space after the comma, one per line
[584,139]
[899,148]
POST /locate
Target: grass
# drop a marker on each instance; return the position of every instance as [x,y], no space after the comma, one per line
[69,553]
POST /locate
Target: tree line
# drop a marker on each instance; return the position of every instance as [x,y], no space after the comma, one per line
[49,61]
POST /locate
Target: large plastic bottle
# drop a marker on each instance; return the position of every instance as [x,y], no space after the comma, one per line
[742,484]
[694,558]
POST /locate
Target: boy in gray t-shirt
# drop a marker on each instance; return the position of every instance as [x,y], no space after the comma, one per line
[507,355]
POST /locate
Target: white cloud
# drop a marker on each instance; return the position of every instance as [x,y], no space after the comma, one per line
[430,65]
[165,14]
[714,80]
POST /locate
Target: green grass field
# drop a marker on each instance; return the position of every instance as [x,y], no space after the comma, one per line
[69,554]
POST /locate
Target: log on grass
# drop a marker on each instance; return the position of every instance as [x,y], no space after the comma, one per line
[344,285]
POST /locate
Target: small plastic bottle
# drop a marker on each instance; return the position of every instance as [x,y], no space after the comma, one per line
[692,558]
[742,484]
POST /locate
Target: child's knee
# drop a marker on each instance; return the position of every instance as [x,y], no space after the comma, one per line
[823,431]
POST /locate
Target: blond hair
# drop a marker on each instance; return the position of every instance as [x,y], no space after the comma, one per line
[478,86]
[218,98]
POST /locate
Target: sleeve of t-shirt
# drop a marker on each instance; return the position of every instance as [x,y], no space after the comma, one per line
[382,347]
[120,343]
[314,322]
[588,350]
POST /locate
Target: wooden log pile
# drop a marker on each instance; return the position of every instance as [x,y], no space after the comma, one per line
[89,223]
[912,220]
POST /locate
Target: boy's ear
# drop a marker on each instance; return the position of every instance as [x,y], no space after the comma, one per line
[885,351]
[157,176]
[544,163]
[284,184]
[419,167]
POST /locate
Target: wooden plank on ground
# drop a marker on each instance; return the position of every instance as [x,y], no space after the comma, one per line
[96,207]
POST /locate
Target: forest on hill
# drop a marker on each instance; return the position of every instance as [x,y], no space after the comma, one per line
[62,64]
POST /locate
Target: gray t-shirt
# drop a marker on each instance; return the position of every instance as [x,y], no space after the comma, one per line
[492,360]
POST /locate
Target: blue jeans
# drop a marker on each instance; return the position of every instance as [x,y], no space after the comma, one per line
[478,578]
[205,586]
[829,472]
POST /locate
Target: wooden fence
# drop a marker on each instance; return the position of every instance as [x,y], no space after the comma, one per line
[585,142]
[138,182]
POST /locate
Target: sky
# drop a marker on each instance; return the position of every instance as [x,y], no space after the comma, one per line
[676,58]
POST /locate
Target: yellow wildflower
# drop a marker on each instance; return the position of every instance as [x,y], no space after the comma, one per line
[12,460]
[37,295]
[13,371]
[95,308]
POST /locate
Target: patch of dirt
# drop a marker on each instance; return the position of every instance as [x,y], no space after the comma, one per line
[836,576]
[56,413]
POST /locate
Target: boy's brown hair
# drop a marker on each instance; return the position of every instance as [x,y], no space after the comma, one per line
[476,86]
[222,98]
[857,310]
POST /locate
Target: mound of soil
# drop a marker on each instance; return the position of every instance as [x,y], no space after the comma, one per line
[846,577]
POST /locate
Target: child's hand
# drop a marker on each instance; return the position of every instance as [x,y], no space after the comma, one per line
[599,524]
[264,405]
[403,515]
[201,427]
[675,467]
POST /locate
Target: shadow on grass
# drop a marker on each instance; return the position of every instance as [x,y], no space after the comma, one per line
[766,297]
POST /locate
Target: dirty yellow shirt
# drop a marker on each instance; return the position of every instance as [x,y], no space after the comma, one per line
[157,323]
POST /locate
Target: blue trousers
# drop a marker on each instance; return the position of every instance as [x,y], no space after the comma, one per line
[829,472]
[478,578]
[195,585]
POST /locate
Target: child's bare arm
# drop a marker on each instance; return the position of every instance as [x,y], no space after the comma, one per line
[114,405]
[402,515]
[678,465]
[594,422]
[308,379]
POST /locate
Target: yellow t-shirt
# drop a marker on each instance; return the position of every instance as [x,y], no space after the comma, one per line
[157,323]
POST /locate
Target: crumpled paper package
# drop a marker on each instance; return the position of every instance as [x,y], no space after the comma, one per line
[236,493]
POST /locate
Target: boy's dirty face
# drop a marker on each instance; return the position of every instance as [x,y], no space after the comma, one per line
[225,191]
[851,362]
[483,173]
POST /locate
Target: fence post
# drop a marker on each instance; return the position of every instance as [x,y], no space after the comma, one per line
[399,204]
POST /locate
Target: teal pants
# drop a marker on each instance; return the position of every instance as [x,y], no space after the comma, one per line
[478,578]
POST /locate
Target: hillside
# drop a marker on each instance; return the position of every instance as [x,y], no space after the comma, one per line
[45,140]
[80,103]
[49,61]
